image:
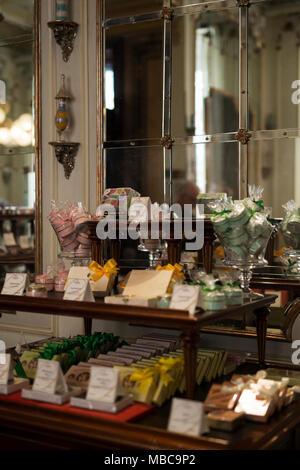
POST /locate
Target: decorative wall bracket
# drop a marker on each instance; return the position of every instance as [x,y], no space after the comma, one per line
[243,3]
[167,141]
[65,153]
[65,33]
[167,13]
[243,136]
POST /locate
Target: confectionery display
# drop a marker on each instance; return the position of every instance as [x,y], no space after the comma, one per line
[290,229]
[65,218]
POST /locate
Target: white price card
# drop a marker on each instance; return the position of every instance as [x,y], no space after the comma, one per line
[187,417]
[79,290]
[24,242]
[185,297]
[6,369]
[9,239]
[15,284]
[82,272]
[103,385]
[49,378]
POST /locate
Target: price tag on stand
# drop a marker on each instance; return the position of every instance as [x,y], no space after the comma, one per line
[49,378]
[15,284]
[187,417]
[79,290]
[104,384]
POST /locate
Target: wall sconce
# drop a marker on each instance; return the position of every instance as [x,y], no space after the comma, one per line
[65,152]
[65,30]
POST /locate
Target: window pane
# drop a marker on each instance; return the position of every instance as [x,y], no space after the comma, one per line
[205,73]
[205,168]
[274,65]
[119,8]
[141,169]
[133,81]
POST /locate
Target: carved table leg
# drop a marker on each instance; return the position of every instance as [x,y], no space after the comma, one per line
[87,326]
[115,249]
[96,250]
[190,339]
[174,250]
[261,331]
[207,255]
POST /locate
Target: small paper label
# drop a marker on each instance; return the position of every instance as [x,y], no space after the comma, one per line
[185,298]
[15,284]
[9,239]
[24,242]
[82,272]
[187,417]
[147,284]
[79,290]
[6,370]
[104,384]
[49,378]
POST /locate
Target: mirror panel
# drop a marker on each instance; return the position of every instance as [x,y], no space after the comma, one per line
[274,45]
[140,168]
[205,168]
[205,73]
[119,8]
[275,165]
[17,145]
[133,81]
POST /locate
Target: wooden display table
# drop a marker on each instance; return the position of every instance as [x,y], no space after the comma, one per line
[150,316]
[28,427]
[174,244]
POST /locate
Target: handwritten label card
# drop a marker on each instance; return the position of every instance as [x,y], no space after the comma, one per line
[15,284]
[185,297]
[6,369]
[49,378]
[79,290]
[24,242]
[9,239]
[104,384]
[187,417]
[82,272]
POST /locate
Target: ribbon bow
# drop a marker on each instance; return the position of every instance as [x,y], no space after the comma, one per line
[145,376]
[107,270]
[176,268]
[164,365]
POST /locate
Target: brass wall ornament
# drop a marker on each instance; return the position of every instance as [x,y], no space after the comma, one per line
[167,141]
[65,153]
[167,13]
[243,3]
[65,33]
[243,136]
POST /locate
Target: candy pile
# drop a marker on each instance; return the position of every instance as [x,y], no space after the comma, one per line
[290,227]
[65,218]
[152,368]
[256,397]
[69,351]
[216,297]
[242,226]
[112,197]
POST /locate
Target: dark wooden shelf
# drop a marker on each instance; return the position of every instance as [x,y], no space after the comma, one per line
[17,217]
[17,259]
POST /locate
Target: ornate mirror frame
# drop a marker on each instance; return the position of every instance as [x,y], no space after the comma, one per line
[37,130]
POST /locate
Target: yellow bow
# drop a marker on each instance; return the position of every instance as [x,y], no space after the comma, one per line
[145,376]
[177,271]
[165,365]
[280,252]
[107,270]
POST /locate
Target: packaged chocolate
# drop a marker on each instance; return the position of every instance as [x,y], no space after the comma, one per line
[222,397]
[143,353]
[224,420]
[127,360]
[259,400]
[78,377]
[138,382]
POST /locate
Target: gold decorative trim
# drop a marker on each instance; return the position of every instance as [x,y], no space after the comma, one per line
[65,153]
[65,33]
[37,132]
[243,3]
[167,13]
[243,136]
[167,141]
